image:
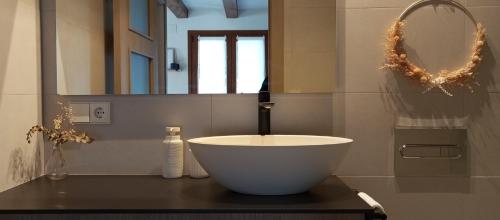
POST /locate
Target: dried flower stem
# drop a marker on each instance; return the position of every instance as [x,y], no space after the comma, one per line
[63,130]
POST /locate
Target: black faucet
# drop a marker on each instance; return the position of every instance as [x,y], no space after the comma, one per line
[265,106]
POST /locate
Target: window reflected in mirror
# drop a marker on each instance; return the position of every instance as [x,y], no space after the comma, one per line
[251,63]
[211,66]
[224,62]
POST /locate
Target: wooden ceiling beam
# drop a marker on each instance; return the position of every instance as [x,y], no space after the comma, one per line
[231,8]
[178,8]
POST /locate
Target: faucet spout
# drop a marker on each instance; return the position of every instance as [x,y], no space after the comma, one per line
[265,106]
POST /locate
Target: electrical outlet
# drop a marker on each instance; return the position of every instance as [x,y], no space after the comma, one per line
[100,113]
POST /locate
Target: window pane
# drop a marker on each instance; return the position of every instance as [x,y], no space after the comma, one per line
[212,65]
[139,74]
[250,64]
[139,16]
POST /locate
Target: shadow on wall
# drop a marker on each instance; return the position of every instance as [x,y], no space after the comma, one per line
[7,11]
[483,127]
[25,165]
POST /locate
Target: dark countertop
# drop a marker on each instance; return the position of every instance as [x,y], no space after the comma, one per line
[153,194]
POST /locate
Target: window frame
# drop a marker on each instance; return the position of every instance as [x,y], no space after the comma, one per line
[231,38]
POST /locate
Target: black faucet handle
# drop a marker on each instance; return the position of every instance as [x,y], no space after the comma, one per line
[264,96]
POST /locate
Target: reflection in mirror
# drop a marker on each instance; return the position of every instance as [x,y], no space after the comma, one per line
[81,66]
[139,16]
[303,44]
[110,47]
[142,47]
[206,45]
[222,61]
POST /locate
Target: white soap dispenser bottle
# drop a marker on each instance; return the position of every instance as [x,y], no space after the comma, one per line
[173,162]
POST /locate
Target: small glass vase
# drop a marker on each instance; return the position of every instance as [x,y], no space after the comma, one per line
[55,167]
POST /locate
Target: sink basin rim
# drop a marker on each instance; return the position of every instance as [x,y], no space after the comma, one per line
[211,140]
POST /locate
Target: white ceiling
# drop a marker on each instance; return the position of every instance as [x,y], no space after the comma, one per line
[217,4]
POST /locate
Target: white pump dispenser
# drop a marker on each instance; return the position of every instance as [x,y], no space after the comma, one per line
[173,163]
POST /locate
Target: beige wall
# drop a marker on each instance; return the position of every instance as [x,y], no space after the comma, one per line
[309,46]
[369,103]
[80,46]
[303,37]
[20,91]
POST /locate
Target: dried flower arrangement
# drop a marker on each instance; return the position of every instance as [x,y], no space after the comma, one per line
[397,60]
[63,130]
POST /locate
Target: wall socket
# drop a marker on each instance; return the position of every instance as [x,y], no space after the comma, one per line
[100,113]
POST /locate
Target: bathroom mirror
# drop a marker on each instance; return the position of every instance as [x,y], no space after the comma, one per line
[152,47]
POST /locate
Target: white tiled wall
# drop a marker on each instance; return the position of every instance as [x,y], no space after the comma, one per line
[371,102]
[20,91]
[132,143]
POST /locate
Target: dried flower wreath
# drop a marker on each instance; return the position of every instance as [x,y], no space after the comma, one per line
[397,60]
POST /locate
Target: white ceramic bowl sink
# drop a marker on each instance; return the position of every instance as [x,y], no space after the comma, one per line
[269,165]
